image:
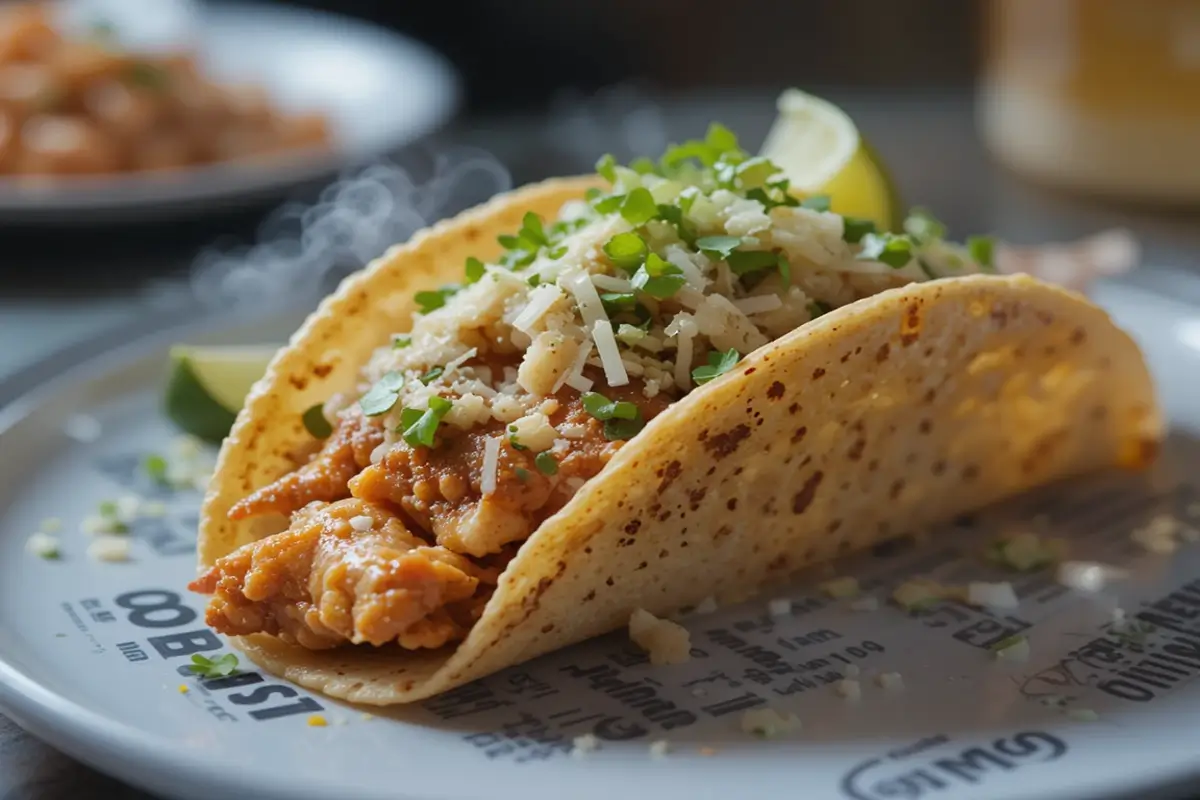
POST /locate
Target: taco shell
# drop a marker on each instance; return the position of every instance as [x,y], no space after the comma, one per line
[877,419]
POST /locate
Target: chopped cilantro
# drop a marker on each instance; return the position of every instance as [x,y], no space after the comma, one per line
[107,509]
[558,252]
[156,468]
[603,409]
[816,308]
[639,207]
[818,202]
[523,475]
[512,439]
[718,364]
[719,246]
[1007,642]
[382,396]
[534,279]
[432,375]
[608,203]
[433,300]
[923,226]
[928,270]
[316,423]
[474,270]
[546,463]
[221,667]
[855,228]
[742,262]
[424,428]
[606,168]
[643,166]
[895,251]
[626,250]
[982,250]
[754,172]
[532,230]
[616,302]
[769,202]
[785,270]
[102,29]
[401,341]
[674,216]
[658,278]
[617,430]
[718,142]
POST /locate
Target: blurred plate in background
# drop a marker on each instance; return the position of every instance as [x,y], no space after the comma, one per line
[379,91]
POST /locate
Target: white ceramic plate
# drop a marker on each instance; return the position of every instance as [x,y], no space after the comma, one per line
[380,91]
[92,656]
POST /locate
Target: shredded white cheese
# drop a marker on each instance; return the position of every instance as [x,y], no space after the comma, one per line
[580,285]
[109,548]
[582,745]
[664,641]
[574,377]
[454,364]
[779,607]
[992,595]
[706,606]
[362,523]
[610,354]
[759,304]
[849,688]
[491,463]
[541,299]
[890,681]
[608,283]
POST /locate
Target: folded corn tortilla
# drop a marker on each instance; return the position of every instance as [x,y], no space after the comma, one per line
[879,418]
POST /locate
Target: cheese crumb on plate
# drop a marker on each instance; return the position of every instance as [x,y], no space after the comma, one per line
[664,641]
[767,722]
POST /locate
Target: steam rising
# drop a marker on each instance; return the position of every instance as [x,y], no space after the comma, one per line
[303,250]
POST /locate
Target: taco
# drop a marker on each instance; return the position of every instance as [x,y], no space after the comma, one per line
[633,390]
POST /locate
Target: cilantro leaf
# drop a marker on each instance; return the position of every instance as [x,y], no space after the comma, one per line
[626,250]
[606,168]
[546,463]
[982,250]
[818,202]
[658,278]
[674,216]
[474,270]
[432,300]
[639,207]
[718,364]
[382,396]
[603,409]
[618,429]
[616,302]
[423,430]
[895,251]
[220,667]
[923,226]
[770,202]
[816,308]
[156,468]
[855,228]
[754,172]
[432,375]
[718,246]
[643,166]
[742,262]
[532,230]
[608,203]
[316,423]
[401,341]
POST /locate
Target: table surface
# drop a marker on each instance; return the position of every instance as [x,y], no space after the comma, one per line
[928,140]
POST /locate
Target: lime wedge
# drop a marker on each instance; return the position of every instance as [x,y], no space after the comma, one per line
[821,151]
[207,386]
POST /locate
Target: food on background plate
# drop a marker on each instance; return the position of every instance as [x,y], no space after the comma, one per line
[613,396]
[83,105]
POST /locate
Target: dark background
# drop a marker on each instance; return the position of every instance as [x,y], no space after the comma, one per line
[514,56]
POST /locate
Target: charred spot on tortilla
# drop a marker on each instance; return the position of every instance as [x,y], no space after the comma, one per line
[557,390]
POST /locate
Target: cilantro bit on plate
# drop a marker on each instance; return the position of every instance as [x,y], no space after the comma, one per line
[221,667]
[156,468]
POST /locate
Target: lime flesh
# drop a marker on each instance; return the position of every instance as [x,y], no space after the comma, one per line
[207,387]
